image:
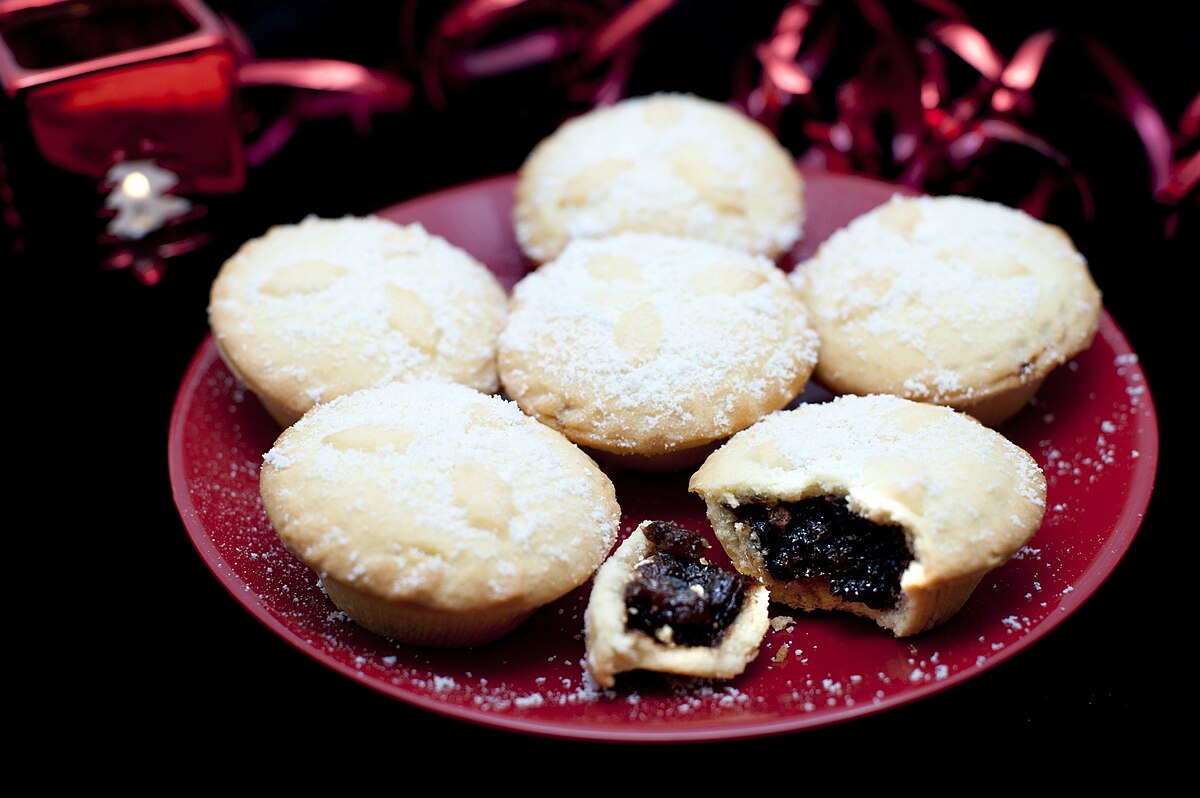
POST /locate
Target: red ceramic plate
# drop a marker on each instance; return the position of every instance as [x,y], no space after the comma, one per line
[1092,428]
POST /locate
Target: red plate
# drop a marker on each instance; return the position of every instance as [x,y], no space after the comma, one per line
[1092,428]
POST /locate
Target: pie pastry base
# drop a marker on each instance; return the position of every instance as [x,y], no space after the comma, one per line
[424,626]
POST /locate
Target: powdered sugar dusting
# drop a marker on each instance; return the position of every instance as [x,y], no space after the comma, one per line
[406,444]
[669,163]
[937,298]
[885,453]
[326,306]
[1085,459]
[643,341]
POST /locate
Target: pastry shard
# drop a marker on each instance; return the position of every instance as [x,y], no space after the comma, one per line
[883,507]
[658,604]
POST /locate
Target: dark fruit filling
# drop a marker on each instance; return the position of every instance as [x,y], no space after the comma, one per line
[677,587]
[821,539]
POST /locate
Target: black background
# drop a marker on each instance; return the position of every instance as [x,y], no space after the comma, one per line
[134,654]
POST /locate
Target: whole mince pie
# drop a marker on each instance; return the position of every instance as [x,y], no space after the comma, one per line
[648,350]
[659,604]
[669,163]
[879,506]
[949,300]
[436,515]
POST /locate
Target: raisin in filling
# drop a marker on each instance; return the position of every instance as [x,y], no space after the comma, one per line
[822,539]
[676,587]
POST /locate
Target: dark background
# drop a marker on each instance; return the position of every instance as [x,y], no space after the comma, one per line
[127,629]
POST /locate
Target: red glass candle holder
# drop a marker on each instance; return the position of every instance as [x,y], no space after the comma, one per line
[101,82]
[92,91]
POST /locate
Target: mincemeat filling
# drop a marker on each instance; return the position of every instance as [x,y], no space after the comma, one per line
[822,539]
[678,596]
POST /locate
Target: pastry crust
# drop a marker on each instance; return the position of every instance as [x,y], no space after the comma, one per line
[949,300]
[666,163]
[965,496]
[435,514]
[652,348]
[613,648]
[324,307]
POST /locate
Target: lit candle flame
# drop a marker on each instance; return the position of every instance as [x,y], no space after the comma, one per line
[141,199]
[136,185]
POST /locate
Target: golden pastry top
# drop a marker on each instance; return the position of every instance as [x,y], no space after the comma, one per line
[440,496]
[668,163]
[312,310]
[646,344]
[946,299]
[967,497]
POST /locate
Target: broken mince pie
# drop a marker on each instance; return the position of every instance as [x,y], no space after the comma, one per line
[658,604]
[880,506]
